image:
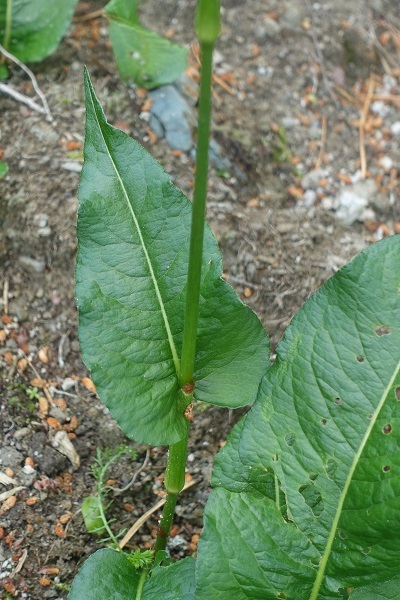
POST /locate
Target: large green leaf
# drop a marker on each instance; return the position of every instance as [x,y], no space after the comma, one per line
[142,56]
[37,26]
[106,575]
[175,582]
[326,424]
[3,169]
[388,590]
[133,232]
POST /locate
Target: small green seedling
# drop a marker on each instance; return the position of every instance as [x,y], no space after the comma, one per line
[306,500]
[32,29]
[3,169]
[94,508]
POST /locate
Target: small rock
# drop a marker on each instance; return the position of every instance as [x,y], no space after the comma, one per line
[381,203]
[58,414]
[177,543]
[41,220]
[44,132]
[293,16]
[68,383]
[44,232]
[353,201]
[359,47]
[10,457]
[380,108]
[11,344]
[311,179]
[386,163]
[395,128]
[19,434]
[174,115]
[51,462]
[290,122]
[75,167]
[75,346]
[32,264]
[269,28]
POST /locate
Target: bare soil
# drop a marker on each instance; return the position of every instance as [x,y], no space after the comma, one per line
[292,84]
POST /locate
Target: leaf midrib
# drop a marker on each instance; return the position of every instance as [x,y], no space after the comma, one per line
[146,254]
[342,498]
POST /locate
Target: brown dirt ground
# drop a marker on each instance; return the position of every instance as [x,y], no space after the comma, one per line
[298,65]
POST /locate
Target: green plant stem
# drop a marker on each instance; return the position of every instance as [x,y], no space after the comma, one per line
[198,216]
[175,472]
[141,583]
[7,30]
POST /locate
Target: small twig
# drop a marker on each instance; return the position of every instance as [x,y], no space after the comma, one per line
[20,563]
[136,526]
[33,79]
[346,95]
[5,296]
[10,91]
[96,14]
[62,393]
[132,481]
[318,164]
[61,362]
[364,114]
[45,390]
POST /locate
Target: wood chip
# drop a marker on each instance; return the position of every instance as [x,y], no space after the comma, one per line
[89,385]
[59,530]
[44,581]
[32,501]
[65,518]
[49,571]
[396,226]
[43,407]
[248,292]
[29,461]
[22,365]
[295,192]
[3,337]
[8,357]
[61,403]
[43,355]
[38,382]
[8,504]
[53,423]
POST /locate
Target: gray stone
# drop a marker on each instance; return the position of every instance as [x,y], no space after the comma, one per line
[381,203]
[75,347]
[353,201]
[10,457]
[58,414]
[293,16]
[311,179]
[68,383]
[174,115]
[44,132]
[22,433]
[32,264]
[71,165]
[269,28]
[395,128]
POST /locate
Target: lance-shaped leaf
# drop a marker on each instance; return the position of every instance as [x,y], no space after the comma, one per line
[326,423]
[133,232]
[37,26]
[142,56]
